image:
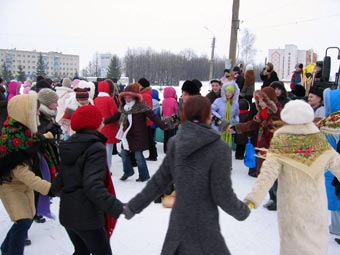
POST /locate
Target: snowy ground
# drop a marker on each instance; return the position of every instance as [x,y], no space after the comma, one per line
[144,234]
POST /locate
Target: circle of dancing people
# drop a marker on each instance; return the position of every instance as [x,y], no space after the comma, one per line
[58,139]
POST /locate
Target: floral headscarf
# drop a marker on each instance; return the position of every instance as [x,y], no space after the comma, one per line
[15,137]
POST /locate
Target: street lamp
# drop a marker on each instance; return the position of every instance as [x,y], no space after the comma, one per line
[211,71]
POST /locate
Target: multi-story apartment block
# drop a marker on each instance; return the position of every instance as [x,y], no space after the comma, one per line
[284,60]
[56,64]
[104,60]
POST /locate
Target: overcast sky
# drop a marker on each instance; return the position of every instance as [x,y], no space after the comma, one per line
[83,27]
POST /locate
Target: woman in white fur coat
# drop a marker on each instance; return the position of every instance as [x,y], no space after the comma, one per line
[298,157]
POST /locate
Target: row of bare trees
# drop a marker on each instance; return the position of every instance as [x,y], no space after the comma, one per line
[167,68]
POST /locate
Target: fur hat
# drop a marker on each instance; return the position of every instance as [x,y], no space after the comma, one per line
[197,83]
[86,117]
[66,83]
[299,91]
[82,93]
[316,91]
[144,82]
[297,112]
[249,67]
[190,87]
[47,96]
[236,69]
[130,90]
[268,95]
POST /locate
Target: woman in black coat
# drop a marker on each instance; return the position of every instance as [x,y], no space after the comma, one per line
[200,170]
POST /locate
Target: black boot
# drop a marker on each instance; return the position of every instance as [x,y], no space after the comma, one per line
[272,206]
[337,240]
[39,219]
[27,242]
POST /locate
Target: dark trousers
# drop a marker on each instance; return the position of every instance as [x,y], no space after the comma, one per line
[273,191]
[240,150]
[152,144]
[88,242]
[15,238]
[167,135]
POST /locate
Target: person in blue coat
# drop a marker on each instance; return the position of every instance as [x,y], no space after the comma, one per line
[332,105]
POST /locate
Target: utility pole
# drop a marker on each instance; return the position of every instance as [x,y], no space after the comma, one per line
[233,33]
[211,69]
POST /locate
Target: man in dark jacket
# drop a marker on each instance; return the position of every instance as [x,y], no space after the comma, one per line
[239,77]
[268,75]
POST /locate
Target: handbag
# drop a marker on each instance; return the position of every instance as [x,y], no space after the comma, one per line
[250,155]
[159,135]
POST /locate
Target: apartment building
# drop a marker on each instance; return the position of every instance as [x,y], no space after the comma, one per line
[284,60]
[104,60]
[56,64]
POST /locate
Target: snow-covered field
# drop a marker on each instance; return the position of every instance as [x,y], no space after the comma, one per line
[144,234]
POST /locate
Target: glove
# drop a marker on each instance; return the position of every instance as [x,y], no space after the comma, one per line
[224,124]
[51,192]
[48,135]
[250,204]
[127,212]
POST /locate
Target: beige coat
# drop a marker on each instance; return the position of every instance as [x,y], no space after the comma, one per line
[302,202]
[17,196]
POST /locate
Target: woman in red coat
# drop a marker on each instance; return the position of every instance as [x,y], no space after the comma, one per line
[108,107]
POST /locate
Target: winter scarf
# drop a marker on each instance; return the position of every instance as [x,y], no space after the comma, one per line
[15,137]
[17,146]
[126,119]
[226,135]
[47,111]
[304,149]
[110,222]
[330,126]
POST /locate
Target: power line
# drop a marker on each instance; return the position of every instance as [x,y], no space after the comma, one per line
[300,21]
[268,11]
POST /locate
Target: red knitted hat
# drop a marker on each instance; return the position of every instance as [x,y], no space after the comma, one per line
[86,117]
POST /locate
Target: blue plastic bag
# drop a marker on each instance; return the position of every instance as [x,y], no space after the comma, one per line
[249,157]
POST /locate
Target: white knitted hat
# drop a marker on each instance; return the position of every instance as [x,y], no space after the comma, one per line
[297,112]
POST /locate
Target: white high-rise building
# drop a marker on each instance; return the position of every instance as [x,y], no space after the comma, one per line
[104,60]
[57,64]
[284,60]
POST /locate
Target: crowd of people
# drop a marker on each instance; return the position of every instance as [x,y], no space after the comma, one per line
[58,139]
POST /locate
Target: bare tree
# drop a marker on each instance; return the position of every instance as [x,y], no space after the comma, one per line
[247,49]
